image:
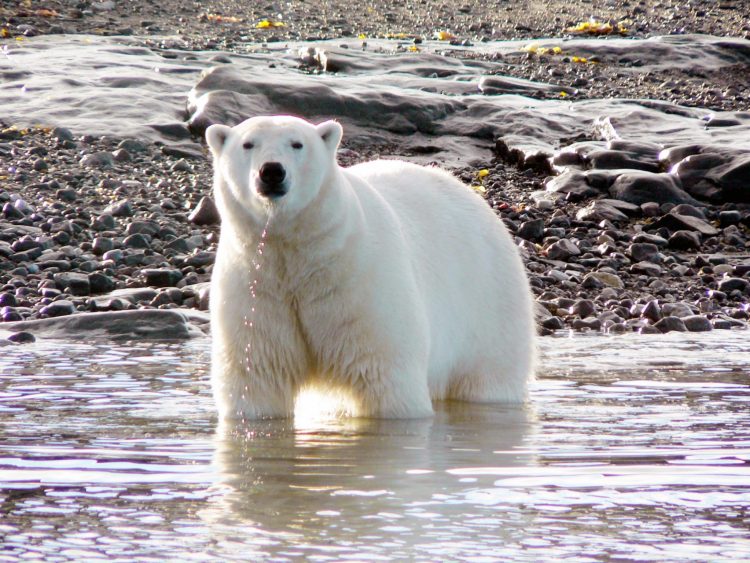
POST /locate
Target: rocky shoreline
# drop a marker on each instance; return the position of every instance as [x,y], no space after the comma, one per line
[114,225]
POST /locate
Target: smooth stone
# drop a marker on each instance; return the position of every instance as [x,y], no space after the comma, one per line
[697,323]
[100,159]
[728,285]
[642,187]
[137,324]
[102,245]
[22,337]
[532,230]
[553,323]
[8,300]
[687,209]
[652,311]
[583,308]
[58,308]
[685,240]
[594,279]
[650,239]
[205,213]
[670,324]
[104,222]
[677,309]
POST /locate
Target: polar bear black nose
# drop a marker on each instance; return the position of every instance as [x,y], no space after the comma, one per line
[272,173]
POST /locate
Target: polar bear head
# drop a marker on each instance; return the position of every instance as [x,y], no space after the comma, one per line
[271,164]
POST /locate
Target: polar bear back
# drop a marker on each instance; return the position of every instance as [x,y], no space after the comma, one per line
[471,278]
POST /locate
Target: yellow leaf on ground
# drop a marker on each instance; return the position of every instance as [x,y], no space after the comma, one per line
[414,49]
[266,24]
[482,173]
[444,35]
[479,189]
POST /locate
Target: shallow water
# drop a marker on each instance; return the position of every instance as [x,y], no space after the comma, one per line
[631,448]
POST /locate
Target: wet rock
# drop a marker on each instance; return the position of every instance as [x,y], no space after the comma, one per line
[205,213]
[157,324]
[59,308]
[685,240]
[102,245]
[652,311]
[697,323]
[563,249]
[677,222]
[11,212]
[670,324]
[553,323]
[642,187]
[583,308]
[614,159]
[22,337]
[677,309]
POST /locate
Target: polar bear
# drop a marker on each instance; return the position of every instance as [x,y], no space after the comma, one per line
[392,283]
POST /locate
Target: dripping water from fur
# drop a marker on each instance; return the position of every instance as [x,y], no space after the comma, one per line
[252,288]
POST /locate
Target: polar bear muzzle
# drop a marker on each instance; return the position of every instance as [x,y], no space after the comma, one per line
[271,180]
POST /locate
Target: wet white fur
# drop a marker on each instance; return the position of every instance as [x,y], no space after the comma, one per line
[390,282]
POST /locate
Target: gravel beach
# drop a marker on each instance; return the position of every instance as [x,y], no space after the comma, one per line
[106,223]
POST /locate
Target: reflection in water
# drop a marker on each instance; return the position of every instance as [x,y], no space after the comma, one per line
[364,484]
[632,449]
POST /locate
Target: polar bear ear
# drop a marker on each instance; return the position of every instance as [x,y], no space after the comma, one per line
[216,137]
[331,133]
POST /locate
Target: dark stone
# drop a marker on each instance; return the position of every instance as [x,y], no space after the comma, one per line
[11,212]
[161,277]
[671,324]
[735,181]
[675,222]
[142,227]
[553,323]
[685,240]
[22,337]
[122,208]
[728,285]
[697,323]
[598,211]
[563,250]
[73,282]
[650,239]
[58,308]
[652,311]
[687,209]
[101,283]
[205,213]
[613,160]
[729,217]
[583,308]
[8,300]
[642,187]
[531,230]
[137,240]
[102,245]
[640,251]
[105,222]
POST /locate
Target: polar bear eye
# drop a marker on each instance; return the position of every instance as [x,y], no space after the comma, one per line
[296,145]
[247,145]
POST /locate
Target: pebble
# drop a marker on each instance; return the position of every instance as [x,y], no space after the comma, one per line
[599,279]
[685,240]
[22,337]
[728,285]
[677,222]
[161,277]
[640,251]
[100,159]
